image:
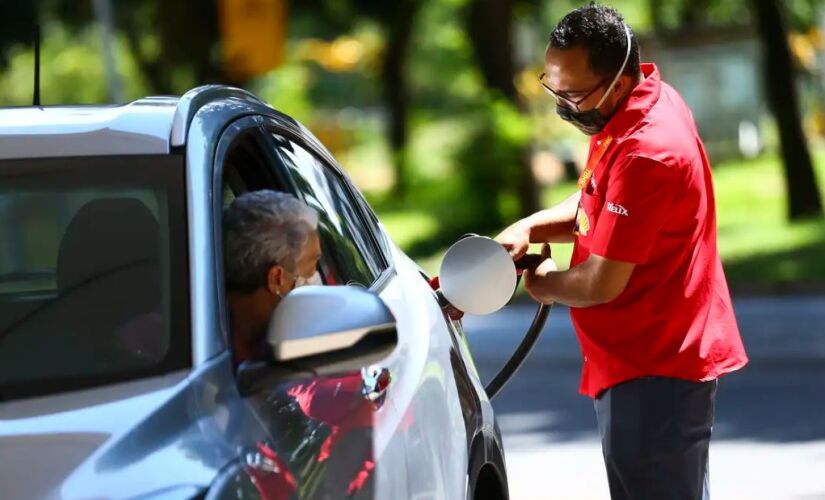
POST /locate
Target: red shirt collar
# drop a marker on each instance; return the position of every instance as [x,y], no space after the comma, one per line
[636,105]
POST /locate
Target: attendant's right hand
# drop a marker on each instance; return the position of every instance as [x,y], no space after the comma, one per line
[515,239]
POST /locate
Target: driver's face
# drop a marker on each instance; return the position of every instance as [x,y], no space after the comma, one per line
[308,261]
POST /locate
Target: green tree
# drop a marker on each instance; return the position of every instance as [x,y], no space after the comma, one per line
[173,43]
[17,23]
[490,27]
[771,18]
[800,180]
[336,17]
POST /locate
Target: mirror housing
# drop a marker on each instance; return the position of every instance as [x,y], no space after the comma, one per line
[314,321]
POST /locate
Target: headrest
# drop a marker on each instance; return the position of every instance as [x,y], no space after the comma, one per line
[106,235]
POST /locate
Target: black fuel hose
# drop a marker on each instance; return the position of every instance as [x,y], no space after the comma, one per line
[530,338]
[522,351]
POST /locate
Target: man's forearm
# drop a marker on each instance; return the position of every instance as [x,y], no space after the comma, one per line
[573,287]
[595,281]
[556,224]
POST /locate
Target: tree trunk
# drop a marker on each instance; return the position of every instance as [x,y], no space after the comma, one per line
[490,26]
[694,13]
[396,91]
[800,179]
[156,74]
[655,7]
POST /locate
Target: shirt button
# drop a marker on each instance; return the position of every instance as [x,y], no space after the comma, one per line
[585,359]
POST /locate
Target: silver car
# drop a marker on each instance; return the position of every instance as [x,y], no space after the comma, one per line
[117,378]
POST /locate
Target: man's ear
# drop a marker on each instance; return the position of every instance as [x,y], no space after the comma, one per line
[623,85]
[275,280]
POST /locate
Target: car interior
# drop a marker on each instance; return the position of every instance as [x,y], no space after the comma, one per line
[92,316]
[85,285]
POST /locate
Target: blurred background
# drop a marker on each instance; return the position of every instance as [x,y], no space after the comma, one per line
[428,101]
[434,109]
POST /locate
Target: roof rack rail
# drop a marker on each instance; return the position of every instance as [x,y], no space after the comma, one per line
[192,101]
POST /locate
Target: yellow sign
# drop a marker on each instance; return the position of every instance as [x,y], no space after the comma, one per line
[253,36]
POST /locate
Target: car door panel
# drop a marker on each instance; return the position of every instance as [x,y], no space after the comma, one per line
[320,442]
[424,388]
[318,428]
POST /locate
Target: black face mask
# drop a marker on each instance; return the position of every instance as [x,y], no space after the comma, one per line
[590,122]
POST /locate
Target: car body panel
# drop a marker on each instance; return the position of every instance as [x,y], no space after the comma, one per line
[127,439]
[207,126]
[424,390]
[142,127]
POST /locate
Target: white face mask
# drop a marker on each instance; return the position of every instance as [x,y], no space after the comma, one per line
[314,280]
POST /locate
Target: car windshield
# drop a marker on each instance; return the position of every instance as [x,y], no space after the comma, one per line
[93,272]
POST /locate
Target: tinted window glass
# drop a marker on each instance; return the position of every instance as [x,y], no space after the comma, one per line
[346,243]
[92,272]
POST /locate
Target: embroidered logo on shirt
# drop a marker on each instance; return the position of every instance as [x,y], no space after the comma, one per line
[582,222]
[616,209]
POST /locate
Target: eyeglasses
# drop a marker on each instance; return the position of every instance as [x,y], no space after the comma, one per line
[573,103]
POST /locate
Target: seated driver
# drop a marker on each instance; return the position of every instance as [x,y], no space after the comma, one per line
[271,246]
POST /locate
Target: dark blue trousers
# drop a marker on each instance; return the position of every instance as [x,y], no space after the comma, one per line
[655,435]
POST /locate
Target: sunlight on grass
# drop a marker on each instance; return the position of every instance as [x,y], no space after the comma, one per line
[751,209]
[756,241]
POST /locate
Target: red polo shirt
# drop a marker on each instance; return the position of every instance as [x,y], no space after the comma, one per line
[650,201]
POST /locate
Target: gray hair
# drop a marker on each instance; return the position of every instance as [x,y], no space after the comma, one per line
[262,229]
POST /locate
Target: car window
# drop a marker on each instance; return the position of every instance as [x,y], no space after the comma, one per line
[92,272]
[347,244]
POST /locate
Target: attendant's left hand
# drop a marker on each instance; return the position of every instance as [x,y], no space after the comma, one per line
[536,280]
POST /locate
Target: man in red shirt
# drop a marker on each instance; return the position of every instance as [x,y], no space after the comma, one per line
[646,289]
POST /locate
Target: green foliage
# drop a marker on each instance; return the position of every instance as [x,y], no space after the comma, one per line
[287,90]
[489,165]
[466,145]
[442,71]
[635,12]
[757,243]
[17,22]
[803,14]
[71,70]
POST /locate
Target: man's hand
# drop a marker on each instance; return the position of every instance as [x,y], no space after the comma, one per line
[515,239]
[536,279]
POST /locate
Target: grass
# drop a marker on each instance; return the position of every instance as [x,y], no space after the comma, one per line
[761,250]
[759,247]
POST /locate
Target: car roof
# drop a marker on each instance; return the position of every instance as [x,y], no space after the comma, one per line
[152,125]
[141,127]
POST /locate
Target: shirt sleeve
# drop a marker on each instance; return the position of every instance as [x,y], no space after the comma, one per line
[640,195]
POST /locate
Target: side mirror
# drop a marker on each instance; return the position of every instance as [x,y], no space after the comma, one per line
[335,326]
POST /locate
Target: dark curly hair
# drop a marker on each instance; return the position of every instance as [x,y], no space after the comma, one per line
[600,30]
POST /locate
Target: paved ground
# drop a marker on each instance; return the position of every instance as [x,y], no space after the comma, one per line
[769,437]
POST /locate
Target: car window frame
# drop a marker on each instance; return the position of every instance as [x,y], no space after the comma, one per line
[282,180]
[228,138]
[377,239]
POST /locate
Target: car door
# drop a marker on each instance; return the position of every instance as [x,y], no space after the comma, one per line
[320,427]
[423,411]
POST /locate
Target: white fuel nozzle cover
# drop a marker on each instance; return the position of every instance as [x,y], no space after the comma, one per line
[477,275]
